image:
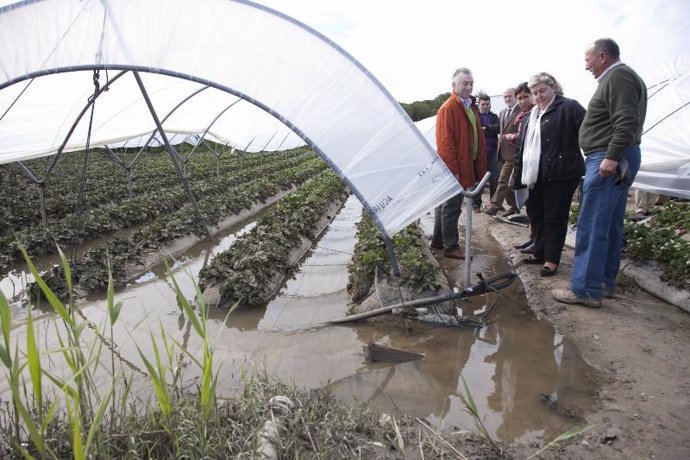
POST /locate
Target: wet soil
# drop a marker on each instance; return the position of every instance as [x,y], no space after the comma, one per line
[638,345]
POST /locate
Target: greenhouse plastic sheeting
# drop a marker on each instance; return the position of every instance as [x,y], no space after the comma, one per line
[273,82]
[665,144]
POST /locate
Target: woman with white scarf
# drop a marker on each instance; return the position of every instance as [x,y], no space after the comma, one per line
[550,163]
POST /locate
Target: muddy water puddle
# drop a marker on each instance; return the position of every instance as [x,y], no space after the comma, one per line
[528,382]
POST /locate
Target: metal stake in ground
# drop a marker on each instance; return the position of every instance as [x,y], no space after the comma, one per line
[469,196]
[173,155]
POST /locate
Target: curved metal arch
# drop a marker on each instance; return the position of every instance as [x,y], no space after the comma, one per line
[220,114]
[365,203]
[220,87]
[319,36]
[78,118]
[168,115]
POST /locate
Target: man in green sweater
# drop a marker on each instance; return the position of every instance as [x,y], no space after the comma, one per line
[610,138]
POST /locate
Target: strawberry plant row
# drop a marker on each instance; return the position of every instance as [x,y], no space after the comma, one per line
[106,182]
[416,270]
[125,256]
[41,240]
[256,264]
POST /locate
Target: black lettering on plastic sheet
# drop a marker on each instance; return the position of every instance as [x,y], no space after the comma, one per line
[427,168]
[381,205]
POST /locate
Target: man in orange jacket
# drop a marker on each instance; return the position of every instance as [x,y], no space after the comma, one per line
[460,143]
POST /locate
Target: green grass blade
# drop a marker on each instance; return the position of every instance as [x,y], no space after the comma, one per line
[68,270]
[34,360]
[34,432]
[576,431]
[5,321]
[471,405]
[158,382]
[75,425]
[96,422]
[184,304]
[50,296]
[113,307]
[49,416]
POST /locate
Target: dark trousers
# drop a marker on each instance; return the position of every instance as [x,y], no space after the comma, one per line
[548,208]
[492,167]
[446,219]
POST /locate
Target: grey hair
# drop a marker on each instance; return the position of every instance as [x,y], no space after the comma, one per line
[609,47]
[547,79]
[456,74]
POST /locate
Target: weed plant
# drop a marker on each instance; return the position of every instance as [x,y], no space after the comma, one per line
[53,416]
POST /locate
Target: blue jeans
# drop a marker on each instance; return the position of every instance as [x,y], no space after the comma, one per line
[600,227]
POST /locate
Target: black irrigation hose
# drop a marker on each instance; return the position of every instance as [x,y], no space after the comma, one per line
[494,283]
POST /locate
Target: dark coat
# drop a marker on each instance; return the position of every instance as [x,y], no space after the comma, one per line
[561,157]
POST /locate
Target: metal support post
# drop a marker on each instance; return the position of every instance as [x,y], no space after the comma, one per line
[173,155]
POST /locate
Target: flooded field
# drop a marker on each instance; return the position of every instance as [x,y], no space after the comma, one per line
[528,381]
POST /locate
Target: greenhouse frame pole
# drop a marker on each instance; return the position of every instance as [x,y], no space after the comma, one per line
[282,142]
[153,134]
[203,135]
[173,154]
[41,189]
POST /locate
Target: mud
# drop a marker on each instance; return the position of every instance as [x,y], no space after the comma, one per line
[638,345]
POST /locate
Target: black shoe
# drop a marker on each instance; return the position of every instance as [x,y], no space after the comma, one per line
[546,271]
[532,260]
[524,245]
[528,250]
[638,216]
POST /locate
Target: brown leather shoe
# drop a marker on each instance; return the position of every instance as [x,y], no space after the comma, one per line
[569,297]
[433,245]
[492,211]
[454,253]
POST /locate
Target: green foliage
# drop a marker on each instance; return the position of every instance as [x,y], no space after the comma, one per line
[121,254]
[661,245]
[420,110]
[673,215]
[162,205]
[370,251]
[574,214]
[246,269]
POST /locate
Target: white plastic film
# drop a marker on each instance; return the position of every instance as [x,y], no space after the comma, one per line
[243,51]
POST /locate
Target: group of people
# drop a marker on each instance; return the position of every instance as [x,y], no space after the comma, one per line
[545,143]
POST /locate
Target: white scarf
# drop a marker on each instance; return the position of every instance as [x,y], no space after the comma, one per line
[532,151]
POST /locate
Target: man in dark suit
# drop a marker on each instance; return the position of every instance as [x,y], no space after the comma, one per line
[506,156]
[490,127]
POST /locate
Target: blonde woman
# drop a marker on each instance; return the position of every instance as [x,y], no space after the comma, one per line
[550,163]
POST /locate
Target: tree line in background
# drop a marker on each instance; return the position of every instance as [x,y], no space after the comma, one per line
[420,110]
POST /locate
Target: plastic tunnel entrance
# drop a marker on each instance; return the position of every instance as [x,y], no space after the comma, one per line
[302,82]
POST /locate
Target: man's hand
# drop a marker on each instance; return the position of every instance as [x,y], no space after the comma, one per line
[608,167]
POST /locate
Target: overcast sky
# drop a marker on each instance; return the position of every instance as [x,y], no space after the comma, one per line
[413,47]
